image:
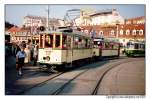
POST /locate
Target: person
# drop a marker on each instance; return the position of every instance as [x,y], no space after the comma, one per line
[35,54]
[28,54]
[20,56]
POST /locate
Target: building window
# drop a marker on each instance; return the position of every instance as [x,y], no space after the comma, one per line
[134,32]
[127,32]
[112,32]
[101,33]
[121,32]
[140,32]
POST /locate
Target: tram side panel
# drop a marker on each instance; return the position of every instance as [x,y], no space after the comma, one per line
[108,52]
[76,54]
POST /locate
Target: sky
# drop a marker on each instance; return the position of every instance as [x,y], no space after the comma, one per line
[14,13]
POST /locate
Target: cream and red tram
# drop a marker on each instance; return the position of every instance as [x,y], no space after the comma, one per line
[63,48]
[105,47]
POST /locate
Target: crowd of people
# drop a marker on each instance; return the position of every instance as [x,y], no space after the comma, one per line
[25,53]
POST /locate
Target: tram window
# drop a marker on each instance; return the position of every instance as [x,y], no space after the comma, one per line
[76,41]
[49,40]
[69,41]
[89,43]
[142,46]
[64,41]
[41,41]
[86,43]
[106,45]
[57,40]
[81,43]
[136,46]
[116,46]
[129,45]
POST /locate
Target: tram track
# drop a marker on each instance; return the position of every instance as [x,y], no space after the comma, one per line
[94,92]
[58,91]
[104,74]
[41,83]
[63,86]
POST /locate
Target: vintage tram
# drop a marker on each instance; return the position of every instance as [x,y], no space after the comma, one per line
[59,49]
[106,47]
[135,48]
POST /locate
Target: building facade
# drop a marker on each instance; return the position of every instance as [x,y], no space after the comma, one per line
[19,34]
[133,31]
[36,21]
[104,17]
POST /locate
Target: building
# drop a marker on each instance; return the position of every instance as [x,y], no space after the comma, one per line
[103,17]
[19,34]
[131,32]
[101,31]
[36,21]
[136,20]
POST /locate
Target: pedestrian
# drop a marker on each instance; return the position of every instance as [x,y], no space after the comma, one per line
[35,54]
[20,56]
[28,54]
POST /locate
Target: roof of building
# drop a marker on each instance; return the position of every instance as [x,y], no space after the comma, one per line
[136,18]
[16,29]
[105,11]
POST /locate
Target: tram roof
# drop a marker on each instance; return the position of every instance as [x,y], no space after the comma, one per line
[76,33]
[107,39]
[138,42]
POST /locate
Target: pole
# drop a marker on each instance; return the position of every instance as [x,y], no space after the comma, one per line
[47,19]
[117,31]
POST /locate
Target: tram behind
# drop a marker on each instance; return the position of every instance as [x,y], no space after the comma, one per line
[135,49]
[104,47]
[59,49]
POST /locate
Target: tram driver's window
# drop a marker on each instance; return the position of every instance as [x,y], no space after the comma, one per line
[49,41]
[41,41]
[64,41]
[57,41]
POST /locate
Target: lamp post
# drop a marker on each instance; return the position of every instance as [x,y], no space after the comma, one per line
[47,24]
[117,31]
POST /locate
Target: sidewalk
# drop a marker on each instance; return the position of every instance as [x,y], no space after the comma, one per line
[11,75]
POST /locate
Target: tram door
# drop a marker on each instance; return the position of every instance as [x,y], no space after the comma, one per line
[67,47]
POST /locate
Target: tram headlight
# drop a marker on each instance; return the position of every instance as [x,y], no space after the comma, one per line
[48,58]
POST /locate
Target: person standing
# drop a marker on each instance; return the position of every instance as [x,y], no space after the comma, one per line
[35,54]
[28,54]
[20,56]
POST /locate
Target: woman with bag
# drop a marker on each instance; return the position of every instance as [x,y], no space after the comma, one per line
[20,60]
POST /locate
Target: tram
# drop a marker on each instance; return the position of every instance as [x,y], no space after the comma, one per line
[105,47]
[135,49]
[59,49]
[62,48]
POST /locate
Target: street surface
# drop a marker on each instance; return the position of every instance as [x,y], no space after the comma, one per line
[108,77]
[126,79]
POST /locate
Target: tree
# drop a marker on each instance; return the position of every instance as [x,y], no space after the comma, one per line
[9,25]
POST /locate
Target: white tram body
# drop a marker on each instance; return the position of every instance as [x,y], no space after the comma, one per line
[58,48]
[63,48]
